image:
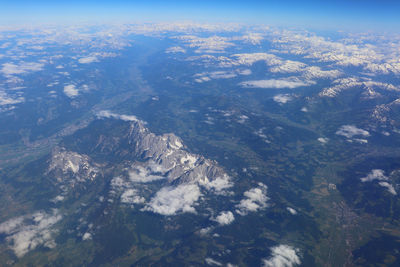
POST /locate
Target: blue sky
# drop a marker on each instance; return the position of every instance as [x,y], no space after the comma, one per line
[365,14]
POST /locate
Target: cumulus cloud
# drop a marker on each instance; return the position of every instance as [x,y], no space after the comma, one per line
[25,233]
[87,236]
[70,90]
[212,262]
[208,76]
[260,133]
[109,114]
[128,194]
[255,199]
[21,68]
[7,99]
[225,218]
[131,196]
[379,175]
[389,187]
[244,72]
[291,210]
[277,84]
[219,184]
[282,256]
[172,200]
[375,174]
[283,98]
[175,49]
[140,174]
[350,130]
[323,140]
[87,60]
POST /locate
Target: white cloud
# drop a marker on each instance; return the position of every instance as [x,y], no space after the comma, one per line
[23,67]
[58,198]
[12,224]
[6,99]
[225,218]
[244,72]
[87,236]
[260,133]
[208,76]
[25,233]
[379,175]
[175,49]
[255,199]
[109,114]
[212,262]
[291,210]
[70,90]
[323,140]
[277,84]
[283,98]
[389,187]
[172,200]
[359,140]
[350,130]
[242,119]
[206,230]
[87,60]
[282,256]
[202,79]
[130,196]
[140,174]
[219,184]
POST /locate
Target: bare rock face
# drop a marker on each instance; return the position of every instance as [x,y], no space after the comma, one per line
[67,168]
[143,155]
[165,155]
[384,114]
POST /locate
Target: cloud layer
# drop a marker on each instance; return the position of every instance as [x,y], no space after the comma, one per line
[350,130]
[109,114]
[21,68]
[25,233]
[276,83]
